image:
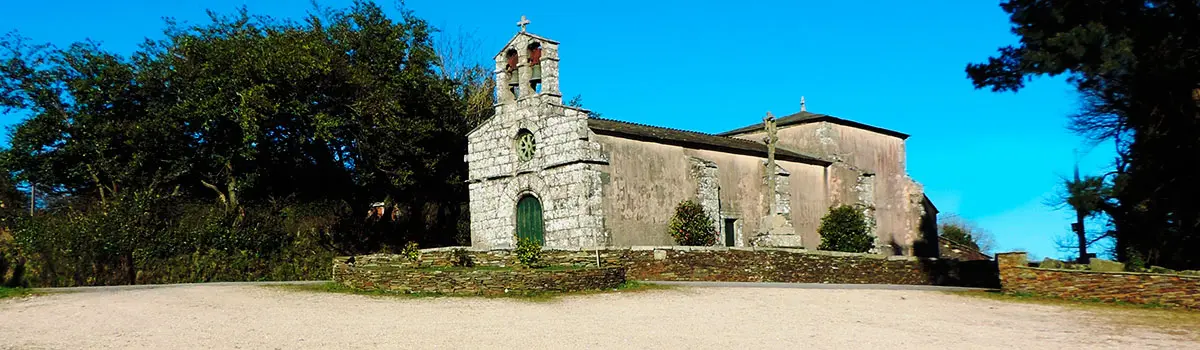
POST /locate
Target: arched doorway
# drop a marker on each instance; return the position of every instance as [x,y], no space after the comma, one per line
[529,219]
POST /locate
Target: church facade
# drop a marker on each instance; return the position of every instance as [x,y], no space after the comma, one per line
[547,171]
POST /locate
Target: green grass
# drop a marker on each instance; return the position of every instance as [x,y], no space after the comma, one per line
[15,292]
[332,287]
[1173,320]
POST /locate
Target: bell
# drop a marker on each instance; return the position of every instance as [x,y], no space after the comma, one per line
[537,72]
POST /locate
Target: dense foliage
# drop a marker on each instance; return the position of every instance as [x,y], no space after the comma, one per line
[461,258]
[194,150]
[1135,64]
[957,234]
[691,226]
[845,229]
[529,252]
[142,237]
[966,233]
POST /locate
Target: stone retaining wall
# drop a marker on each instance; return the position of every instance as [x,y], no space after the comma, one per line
[1141,288]
[673,263]
[466,281]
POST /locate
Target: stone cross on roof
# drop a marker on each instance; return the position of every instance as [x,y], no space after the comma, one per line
[802,107]
[524,22]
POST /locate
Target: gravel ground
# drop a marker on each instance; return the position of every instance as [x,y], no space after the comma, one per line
[251,317]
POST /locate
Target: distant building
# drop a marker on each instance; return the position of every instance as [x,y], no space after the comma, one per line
[954,250]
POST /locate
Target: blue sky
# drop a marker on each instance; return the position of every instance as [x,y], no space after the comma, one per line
[989,157]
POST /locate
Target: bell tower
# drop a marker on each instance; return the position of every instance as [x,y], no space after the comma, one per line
[527,67]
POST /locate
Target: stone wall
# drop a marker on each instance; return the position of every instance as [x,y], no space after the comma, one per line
[855,152]
[1139,288]
[646,180]
[674,263]
[563,175]
[465,281]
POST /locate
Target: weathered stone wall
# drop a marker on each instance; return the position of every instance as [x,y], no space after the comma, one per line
[855,152]
[563,175]
[646,180]
[1140,288]
[475,281]
[708,192]
[674,263]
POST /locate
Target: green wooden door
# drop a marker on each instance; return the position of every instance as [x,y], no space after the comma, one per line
[529,219]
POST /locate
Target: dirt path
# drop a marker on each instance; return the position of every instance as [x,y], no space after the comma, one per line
[247,317]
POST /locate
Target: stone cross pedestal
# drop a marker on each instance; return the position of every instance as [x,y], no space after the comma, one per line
[775,229]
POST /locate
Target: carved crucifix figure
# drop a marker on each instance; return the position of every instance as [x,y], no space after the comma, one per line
[771,139]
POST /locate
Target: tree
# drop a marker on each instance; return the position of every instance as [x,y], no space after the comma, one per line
[1134,63]
[348,105]
[1088,197]
[961,231]
[691,226]
[845,229]
[577,102]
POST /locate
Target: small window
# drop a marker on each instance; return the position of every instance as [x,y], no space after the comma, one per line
[526,145]
[730,232]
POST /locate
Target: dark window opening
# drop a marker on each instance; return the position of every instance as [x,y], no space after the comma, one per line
[730,232]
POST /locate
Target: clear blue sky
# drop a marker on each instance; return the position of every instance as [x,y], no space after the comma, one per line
[712,66]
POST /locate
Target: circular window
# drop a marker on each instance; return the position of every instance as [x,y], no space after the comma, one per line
[525,145]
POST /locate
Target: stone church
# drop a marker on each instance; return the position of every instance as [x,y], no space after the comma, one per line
[547,171]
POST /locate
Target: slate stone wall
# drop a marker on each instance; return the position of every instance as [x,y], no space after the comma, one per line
[478,281]
[675,263]
[1140,288]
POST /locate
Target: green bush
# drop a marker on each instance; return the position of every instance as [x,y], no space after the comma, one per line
[845,229]
[411,251]
[529,252]
[1135,262]
[691,226]
[461,258]
[146,238]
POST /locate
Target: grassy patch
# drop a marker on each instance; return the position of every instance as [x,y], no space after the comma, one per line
[332,287]
[1175,321]
[15,292]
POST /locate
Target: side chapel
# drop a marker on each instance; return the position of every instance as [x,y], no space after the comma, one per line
[544,170]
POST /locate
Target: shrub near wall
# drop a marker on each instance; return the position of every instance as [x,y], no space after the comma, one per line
[1140,288]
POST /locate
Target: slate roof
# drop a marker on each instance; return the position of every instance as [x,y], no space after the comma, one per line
[806,117]
[692,139]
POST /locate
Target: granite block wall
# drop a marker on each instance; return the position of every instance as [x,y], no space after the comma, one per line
[1140,288]
[676,263]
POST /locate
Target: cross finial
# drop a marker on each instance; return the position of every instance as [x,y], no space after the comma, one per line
[802,107]
[524,22]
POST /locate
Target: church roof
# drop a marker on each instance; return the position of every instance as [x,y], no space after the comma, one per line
[806,117]
[694,139]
